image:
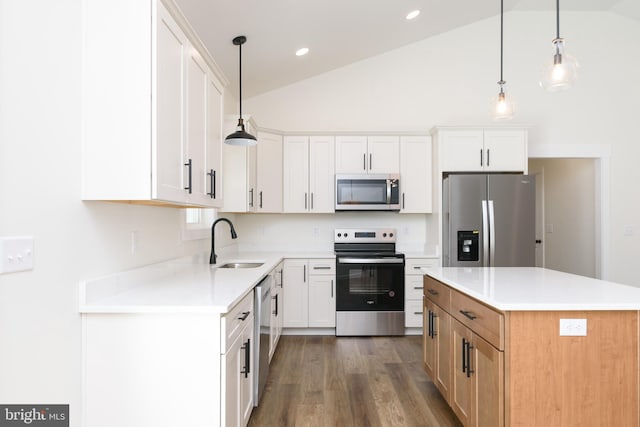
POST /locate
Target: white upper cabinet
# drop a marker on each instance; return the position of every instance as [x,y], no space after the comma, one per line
[309,174]
[215,107]
[482,150]
[150,127]
[415,174]
[373,154]
[269,173]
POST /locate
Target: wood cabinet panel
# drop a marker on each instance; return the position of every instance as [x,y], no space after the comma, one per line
[551,378]
[483,320]
[437,292]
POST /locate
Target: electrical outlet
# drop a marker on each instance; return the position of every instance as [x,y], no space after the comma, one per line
[16,254]
[573,327]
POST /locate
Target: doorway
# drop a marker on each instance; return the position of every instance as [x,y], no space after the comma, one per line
[572,222]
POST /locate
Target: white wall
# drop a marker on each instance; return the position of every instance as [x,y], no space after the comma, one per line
[449,79]
[40,130]
[569,201]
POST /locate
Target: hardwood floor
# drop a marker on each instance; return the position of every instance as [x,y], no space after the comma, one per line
[339,381]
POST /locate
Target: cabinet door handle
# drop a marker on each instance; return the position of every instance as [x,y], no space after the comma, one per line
[429,324]
[370,161]
[321,267]
[244,315]
[304,273]
[418,287]
[402,200]
[488,158]
[311,201]
[189,167]
[281,278]
[417,267]
[305,201]
[464,355]
[469,371]
[260,200]
[364,161]
[212,182]
[469,315]
[432,292]
[247,358]
[331,288]
[275,312]
[251,197]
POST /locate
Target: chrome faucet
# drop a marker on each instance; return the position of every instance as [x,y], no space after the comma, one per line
[212,258]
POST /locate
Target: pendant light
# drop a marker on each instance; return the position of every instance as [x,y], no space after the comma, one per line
[240,136]
[501,105]
[561,73]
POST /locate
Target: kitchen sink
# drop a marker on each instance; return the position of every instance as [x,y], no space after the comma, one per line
[241,265]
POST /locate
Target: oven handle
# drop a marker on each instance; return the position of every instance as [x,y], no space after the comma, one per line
[370,261]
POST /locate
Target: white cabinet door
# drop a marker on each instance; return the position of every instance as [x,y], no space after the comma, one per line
[416,174]
[276,309]
[215,105]
[351,154]
[167,154]
[505,150]
[252,178]
[322,301]
[322,174]
[232,361]
[246,376]
[296,174]
[383,154]
[196,119]
[462,150]
[269,173]
[296,293]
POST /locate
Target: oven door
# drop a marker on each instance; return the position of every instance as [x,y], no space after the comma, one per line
[369,284]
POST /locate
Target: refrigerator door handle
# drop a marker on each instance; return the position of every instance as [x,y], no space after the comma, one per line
[485,235]
[492,234]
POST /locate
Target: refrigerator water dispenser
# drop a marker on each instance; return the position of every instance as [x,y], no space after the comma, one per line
[468,243]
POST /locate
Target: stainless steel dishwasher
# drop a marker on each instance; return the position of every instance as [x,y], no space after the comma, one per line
[262,330]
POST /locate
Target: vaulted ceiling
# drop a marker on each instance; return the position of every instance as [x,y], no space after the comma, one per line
[338,32]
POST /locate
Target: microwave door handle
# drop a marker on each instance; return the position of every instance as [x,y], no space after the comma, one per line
[388,192]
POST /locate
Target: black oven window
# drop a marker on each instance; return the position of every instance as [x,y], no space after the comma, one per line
[370,280]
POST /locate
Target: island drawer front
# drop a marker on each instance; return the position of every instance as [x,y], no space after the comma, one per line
[437,292]
[482,320]
[322,266]
[413,265]
[233,323]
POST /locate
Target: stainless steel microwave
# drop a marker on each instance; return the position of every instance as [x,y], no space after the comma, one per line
[368,192]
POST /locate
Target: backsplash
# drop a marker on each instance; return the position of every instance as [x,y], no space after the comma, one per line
[314,232]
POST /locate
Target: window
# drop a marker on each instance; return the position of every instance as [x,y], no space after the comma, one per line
[196,223]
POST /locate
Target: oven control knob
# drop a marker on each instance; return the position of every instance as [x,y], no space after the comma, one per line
[390,234]
[339,234]
[345,234]
[384,234]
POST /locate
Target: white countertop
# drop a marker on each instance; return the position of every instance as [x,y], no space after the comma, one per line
[533,289]
[185,285]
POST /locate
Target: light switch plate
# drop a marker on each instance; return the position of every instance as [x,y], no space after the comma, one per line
[573,327]
[16,254]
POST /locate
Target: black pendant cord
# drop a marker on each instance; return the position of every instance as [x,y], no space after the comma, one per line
[240,77]
[557,19]
[501,82]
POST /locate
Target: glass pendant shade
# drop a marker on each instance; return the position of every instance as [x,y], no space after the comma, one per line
[502,106]
[561,72]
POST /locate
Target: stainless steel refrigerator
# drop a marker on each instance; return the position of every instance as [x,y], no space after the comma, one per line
[488,220]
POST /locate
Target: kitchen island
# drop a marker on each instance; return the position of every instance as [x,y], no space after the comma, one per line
[532,347]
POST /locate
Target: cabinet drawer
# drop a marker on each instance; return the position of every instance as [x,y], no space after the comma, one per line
[413,287]
[322,266]
[234,322]
[437,292]
[482,320]
[413,313]
[412,266]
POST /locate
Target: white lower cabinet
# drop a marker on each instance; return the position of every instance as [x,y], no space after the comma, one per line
[236,363]
[276,309]
[413,289]
[309,293]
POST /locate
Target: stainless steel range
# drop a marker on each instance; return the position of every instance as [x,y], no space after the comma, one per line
[369,282]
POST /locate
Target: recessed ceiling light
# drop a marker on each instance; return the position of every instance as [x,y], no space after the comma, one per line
[302,51]
[412,14]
